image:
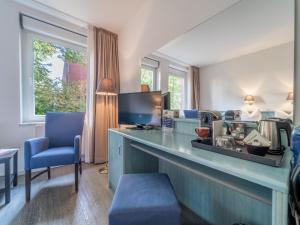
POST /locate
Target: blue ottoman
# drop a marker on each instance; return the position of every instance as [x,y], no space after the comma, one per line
[144,199]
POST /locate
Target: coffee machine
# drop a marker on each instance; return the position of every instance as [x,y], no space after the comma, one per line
[272,129]
[207,117]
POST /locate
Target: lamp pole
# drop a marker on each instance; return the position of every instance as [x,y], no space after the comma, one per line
[106,88]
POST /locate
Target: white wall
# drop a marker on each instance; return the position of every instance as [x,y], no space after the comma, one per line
[267,74]
[155,24]
[297,64]
[12,133]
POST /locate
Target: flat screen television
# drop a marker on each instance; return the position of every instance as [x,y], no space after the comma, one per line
[140,108]
[166,100]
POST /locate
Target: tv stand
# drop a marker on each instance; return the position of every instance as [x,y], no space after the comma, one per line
[140,127]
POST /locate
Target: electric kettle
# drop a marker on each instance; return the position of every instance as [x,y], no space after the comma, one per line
[271,129]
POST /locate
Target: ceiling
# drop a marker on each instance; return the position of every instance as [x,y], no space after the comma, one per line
[108,14]
[244,28]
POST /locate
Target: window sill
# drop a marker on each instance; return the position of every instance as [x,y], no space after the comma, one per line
[37,123]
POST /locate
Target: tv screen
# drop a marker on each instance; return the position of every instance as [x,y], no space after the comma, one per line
[141,108]
[166,101]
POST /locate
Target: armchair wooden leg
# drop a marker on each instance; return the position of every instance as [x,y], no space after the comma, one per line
[27,184]
[80,167]
[49,173]
[76,177]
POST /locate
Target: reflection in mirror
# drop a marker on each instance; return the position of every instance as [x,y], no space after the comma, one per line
[240,59]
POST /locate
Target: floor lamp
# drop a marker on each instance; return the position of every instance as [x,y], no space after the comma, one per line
[106,88]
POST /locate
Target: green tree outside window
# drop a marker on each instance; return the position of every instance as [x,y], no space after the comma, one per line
[176,87]
[57,94]
[147,77]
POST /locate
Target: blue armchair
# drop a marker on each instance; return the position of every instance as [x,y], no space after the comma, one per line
[60,146]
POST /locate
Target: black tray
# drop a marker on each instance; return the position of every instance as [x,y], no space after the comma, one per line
[271,160]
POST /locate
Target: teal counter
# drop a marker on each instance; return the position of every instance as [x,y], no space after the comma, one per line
[199,176]
[186,126]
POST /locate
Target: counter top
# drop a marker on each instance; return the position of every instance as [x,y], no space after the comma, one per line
[187,120]
[180,145]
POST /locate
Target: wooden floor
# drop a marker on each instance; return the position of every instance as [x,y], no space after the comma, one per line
[54,202]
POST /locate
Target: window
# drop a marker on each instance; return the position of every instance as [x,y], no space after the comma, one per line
[54,75]
[149,73]
[59,78]
[177,88]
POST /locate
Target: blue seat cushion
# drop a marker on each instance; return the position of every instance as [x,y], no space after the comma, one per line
[144,199]
[53,157]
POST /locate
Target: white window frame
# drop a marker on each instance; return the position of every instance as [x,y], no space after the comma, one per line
[182,73]
[154,70]
[27,79]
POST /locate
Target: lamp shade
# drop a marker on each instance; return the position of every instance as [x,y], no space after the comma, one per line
[145,88]
[106,87]
[249,99]
[290,96]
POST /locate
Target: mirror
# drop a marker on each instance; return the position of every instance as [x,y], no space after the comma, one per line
[244,57]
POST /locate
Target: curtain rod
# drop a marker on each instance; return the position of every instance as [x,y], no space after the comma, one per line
[151,59]
[179,68]
[51,24]
[106,31]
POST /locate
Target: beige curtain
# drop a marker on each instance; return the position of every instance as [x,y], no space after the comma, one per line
[107,66]
[88,129]
[195,87]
